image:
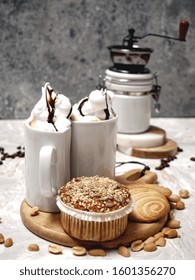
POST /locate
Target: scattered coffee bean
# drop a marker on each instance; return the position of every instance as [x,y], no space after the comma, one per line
[179,150]
[165,161]
[192,158]
[4,155]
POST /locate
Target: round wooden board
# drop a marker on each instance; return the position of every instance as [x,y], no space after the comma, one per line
[167,150]
[48,226]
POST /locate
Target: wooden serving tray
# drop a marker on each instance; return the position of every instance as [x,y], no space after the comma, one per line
[48,225]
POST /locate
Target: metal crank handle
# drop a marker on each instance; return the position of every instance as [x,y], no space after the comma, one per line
[157,107]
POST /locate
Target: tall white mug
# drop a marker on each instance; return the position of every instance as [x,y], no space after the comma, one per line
[93,148]
[47,166]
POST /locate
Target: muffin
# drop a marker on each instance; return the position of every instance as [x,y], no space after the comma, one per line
[94,208]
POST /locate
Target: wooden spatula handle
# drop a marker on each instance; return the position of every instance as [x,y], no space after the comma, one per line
[183,29]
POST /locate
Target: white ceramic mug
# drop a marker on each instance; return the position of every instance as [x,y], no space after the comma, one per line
[47,166]
[133,112]
[93,148]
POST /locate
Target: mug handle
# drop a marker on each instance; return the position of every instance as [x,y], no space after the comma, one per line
[47,170]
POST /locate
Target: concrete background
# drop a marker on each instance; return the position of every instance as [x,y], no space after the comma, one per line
[65,42]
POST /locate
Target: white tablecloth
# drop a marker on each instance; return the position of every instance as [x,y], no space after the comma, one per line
[180,175]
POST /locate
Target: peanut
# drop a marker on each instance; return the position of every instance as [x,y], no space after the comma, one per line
[149,240]
[97,252]
[184,193]
[173,223]
[173,198]
[33,247]
[2,239]
[165,229]
[137,245]
[34,211]
[55,249]
[150,247]
[172,205]
[180,205]
[123,251]
[160,242]
[78,251]
[166,191]
[171,215]
[171,233]
[158,235]
[8,242]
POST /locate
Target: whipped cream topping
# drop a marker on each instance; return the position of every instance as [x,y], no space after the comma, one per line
[52,111]
[98,106]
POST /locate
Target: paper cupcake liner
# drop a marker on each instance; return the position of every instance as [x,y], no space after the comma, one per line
[94,216]
[91,230]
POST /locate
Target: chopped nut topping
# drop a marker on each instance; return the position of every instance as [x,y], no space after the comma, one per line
[94,194]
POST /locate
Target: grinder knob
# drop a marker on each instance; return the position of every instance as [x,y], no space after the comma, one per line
[183,28]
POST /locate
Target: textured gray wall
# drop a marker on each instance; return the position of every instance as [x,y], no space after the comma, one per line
[65,42]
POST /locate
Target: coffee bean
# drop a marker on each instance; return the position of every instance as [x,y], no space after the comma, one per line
[179,150]
[165,162]
[21,154]
[5,155]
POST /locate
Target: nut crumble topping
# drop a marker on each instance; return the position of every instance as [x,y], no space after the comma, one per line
[94,194]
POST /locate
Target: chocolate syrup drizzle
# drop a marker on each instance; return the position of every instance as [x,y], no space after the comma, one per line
[50,106]
[70,112]
[106,110]
[81,105]
[101,86]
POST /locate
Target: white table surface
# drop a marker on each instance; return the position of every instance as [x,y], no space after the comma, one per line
[180,175]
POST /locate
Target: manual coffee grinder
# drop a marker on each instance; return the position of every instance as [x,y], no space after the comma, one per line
[134,87]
